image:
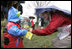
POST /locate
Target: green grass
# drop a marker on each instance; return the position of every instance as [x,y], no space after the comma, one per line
[69,46]
[39,41]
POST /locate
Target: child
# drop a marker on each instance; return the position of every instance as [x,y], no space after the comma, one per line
[32,23]
[13,32]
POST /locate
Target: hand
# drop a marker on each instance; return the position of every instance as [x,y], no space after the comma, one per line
[28,29]
[31,29]
[42,27]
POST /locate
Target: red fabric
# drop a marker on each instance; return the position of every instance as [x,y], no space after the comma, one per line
[32,23]
[57,20]
[13,39]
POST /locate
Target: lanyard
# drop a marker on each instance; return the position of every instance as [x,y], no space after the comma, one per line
[17,41]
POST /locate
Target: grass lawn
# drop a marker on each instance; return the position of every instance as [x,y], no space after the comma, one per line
[39,41]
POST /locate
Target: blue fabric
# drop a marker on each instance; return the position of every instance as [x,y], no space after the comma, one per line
[14,30]
[17,41]
[21,28]
[21,18]
[12,15]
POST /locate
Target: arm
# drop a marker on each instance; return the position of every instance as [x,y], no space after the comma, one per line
[14,30]
[53,25]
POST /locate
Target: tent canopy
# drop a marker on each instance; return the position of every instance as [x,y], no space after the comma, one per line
[64,6]
[41,10]
[50,8]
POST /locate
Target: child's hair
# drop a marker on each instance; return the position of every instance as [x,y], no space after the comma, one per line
[15,5]
[46,12]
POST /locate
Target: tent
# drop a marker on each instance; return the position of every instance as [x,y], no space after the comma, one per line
[30,6]
[64,6]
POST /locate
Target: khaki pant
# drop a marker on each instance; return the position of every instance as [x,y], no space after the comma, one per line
[62,43]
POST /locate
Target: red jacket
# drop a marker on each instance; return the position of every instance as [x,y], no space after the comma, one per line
[12,39]
[57,20]
[32,23]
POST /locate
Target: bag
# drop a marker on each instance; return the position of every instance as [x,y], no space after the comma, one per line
[64,31]
[29,35]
